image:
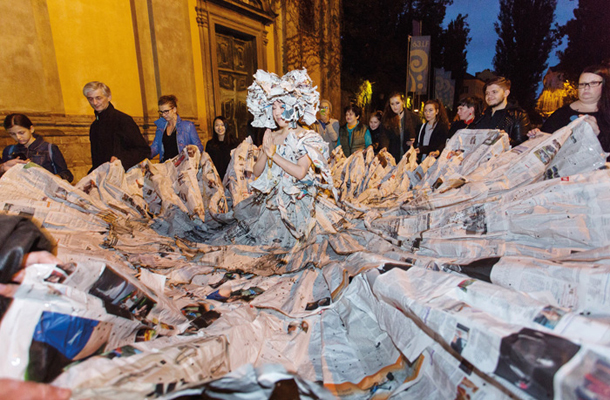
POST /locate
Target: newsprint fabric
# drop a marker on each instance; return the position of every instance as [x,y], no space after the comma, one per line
[483,274]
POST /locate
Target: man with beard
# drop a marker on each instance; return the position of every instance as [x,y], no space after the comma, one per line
[502,115]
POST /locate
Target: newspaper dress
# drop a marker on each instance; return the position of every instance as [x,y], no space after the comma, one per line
[283,210]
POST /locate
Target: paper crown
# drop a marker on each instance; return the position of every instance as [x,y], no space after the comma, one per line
[294,90]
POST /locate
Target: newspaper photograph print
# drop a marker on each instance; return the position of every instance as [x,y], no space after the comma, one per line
[483,273]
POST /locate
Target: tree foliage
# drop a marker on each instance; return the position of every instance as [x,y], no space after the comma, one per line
[588,36]
[454,40]
[525,39]
[374,40]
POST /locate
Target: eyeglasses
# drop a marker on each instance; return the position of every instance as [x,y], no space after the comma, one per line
[593,84]
[165,112]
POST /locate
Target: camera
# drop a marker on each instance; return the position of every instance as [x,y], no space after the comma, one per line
[17,155]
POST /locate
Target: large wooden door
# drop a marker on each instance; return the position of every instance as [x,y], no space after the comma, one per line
[236,60]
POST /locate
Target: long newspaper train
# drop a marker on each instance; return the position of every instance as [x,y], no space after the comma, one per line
[483,275]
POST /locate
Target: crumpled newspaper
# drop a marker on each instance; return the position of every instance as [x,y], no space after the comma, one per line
[294,89]
[487,276]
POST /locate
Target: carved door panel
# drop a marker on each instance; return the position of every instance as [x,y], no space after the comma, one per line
[236,59]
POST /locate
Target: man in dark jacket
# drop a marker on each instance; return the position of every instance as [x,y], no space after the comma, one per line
[501,115]
[114,134]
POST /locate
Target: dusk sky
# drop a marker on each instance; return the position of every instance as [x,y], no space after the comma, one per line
[481,17]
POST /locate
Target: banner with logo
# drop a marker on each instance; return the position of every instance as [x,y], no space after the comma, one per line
[419,62]
[444,87]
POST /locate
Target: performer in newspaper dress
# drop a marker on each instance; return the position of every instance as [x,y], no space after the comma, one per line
[293,191]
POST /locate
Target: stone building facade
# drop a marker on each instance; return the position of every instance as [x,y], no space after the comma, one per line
[202,51]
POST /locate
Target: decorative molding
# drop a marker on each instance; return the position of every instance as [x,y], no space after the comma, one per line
[259,10]
[265,38]
[202,17]
[68,125]
[50,120]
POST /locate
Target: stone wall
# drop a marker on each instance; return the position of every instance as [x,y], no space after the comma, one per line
[143,49]
[71,135]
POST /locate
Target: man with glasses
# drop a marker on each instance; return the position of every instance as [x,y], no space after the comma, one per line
[114,135]
[500,114]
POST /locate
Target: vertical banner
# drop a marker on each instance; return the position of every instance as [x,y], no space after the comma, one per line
[444,87]
[419,61]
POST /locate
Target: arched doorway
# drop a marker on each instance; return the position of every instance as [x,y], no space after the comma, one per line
[233,46]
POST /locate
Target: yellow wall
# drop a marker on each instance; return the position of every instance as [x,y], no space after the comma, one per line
[27,60]
[94,40]
[271,50]
[198,66]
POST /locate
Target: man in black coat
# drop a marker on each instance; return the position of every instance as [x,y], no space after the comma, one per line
[502,115]
[114,134]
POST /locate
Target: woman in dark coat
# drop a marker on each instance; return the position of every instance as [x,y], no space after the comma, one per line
[220,146]
[401,125]
[378,134]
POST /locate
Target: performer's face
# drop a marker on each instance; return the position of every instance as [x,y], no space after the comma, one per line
[278,109]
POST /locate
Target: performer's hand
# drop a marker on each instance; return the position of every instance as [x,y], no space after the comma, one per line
[268,144]
[113,159]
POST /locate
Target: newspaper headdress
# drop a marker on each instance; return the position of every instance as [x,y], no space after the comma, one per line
[294,90]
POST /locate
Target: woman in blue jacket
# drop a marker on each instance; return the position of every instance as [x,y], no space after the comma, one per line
[173,134]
